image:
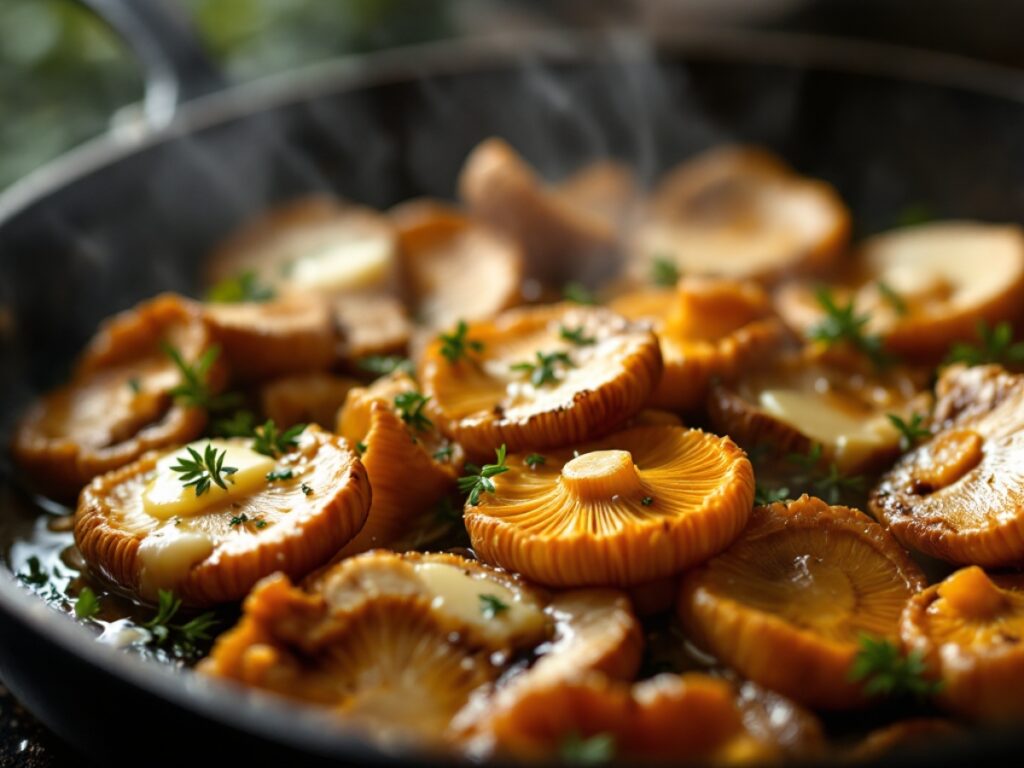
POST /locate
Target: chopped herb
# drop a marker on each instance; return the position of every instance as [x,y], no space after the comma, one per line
[261,523]
[831,485]
[36,575]
[237,520]
[444,453]
[892,298]
[184,636]
[543,371]
[382,365]
[410,408]
[456,345]
[843,325]
[886,671]
[479,480]
[243,287]
[306,489]
[996,346]
[135,385]
[360,448]
[269,441]
[910,432]
[194,390]
[577,750]
[203,470]
[647,501]
[87,605]
[576,336]
[664,271]
[763,496]
[280,473]
[491,606]
[241,423]
[578,294]
[534,460]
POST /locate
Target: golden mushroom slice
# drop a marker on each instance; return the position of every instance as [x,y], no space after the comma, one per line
[561,240]
[354,417]
[967,630]
[639,505]
[708,329]
[606,189]
[121,400]
[312,245]
[455,268]
[371,324]
[922,288]
[208,520]
[741,213]
[958,496]
[308,398]
[804,400]
[264,340]
[538,377]
[787,604]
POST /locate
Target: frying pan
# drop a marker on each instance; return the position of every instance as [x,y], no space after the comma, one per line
[128,216]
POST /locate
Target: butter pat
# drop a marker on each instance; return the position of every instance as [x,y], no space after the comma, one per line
[166,495]
[350,261]
[167,555]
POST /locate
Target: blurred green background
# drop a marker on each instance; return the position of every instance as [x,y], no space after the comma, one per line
[63,73]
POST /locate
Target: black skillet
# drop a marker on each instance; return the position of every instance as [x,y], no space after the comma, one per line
[128,216]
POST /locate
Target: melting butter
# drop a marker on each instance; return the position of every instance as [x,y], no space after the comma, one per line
[166,496]
[167,554]
[345,264]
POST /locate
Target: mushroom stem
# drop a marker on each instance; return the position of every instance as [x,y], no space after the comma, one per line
[973,594]
[600,475]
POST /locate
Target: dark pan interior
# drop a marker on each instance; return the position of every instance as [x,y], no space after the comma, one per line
[143,224]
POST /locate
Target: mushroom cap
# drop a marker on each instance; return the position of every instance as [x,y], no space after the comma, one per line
[204,558]
[483,402]
[739,212]
[370,324]
[277,338]
[387,665]
[455,268]
[968,630]
[947,276]
[786,604]
[708,329]
[958,495]
[354,417]
[803,400]
[606,189]
[312,245]
[306,398]
[638,505]
[561,240]
[117,404]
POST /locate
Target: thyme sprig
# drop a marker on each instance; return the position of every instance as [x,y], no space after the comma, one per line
[185,636]
[270,441]
[203,470]
[885,671]
[491,606]
[410,407]
[382,365]
[578,750]
[995,345]
[664,271]
[457,345]
[576,336]
[245,286]
[841,324]
[479,480]
[544,370]
[910,431]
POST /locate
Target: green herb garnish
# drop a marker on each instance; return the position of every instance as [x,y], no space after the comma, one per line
[260,523]
[135,385]
[534,460]
[269,441]
[194,390]
[843,325]
[831,485]
[892,298]
[479,480]
[764,496]
[243,287]
[491,606]
[543,371]
[185,636]
[577,750]
[578,293]
[280,473]
[360,447]
[241,423]
[444,453]
[238,520]
[382,365]
[204,470]
[410,408]
[306,489]
[910,432]
[647,501]
[87,605]
[576,336]
[996,346]
[886,671]
[456,345]
[664,271]
[36,576]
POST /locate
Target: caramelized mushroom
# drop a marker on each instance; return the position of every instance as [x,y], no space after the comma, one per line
[305,398]
[924,287]
[805,400]
[606,189]
[968,630]
[708,329]
[787,603]
[561,240]
[372,324]
[145,530]
[741,213]
[958,496]
[119,402]
[455,268]
[539,377]
[639,505]
[354,416]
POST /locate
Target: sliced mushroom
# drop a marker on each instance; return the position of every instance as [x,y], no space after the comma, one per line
[145,530]
[606,189]
[805,400]
[354,416]
[787,603]
[562,241]
[305,398]
[924,287]
[708,329]
[959,496]
[540,377]
[263,340]
[968,631]
[371,324]
[739,212]
[639,505]
[455,268]
[119,402]
[313,245]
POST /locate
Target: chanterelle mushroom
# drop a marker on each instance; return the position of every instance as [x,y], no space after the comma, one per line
[788,602]
[638,505]
[741,213]
[922,288]
[120,402]
[209,520]
[958,496]
[538,377]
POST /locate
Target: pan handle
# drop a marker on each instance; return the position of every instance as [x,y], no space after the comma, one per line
[162,37]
